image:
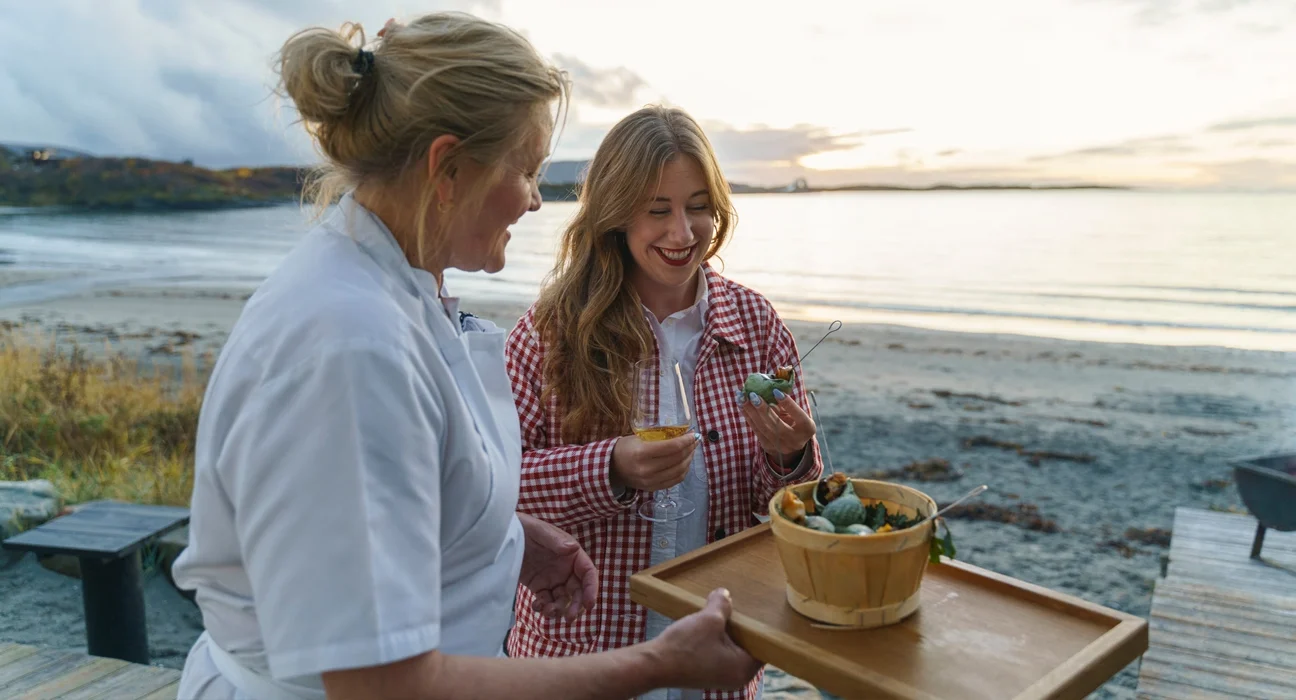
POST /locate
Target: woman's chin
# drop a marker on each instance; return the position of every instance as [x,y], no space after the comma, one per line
[494,264]
[672,276]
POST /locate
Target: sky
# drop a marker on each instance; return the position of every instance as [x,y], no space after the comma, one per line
[1196,94]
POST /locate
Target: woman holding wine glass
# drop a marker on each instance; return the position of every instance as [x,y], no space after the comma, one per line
[627,372]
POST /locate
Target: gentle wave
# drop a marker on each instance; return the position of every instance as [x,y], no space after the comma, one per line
[1216,290]
[968,311]
[1123,267]
[1158,300]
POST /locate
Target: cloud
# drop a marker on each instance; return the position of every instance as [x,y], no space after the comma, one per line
[897,175]
[331,13]
[1156,13]
[187,84]
[776,146]
[1147,146]
[735,147]
[1251,174]
[887,132]
[1248,124]
[601,87]
[169,79]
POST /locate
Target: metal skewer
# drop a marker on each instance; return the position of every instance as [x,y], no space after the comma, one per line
[832,328]
[819,431]
[836,326]
[683,397]
[974,492]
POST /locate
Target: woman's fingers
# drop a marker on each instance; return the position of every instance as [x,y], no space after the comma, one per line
[791,411]
[771,430]
[669,475]
[575,598]
[655,464]
[756,410]
[665,463]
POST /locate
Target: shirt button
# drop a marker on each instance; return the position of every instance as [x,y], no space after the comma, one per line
[663,542]
[719,533]
[713,435]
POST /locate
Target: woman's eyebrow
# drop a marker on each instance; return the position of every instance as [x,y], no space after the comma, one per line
[667,199]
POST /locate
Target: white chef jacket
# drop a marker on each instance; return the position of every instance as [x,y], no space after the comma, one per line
[356,477]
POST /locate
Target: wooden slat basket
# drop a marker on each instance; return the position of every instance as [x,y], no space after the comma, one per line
[856,581]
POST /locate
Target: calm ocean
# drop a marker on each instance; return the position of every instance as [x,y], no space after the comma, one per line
[1148,267]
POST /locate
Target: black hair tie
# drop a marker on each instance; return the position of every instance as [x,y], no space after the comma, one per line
[363,62]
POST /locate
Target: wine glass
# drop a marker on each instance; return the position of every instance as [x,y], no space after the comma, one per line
[661,412]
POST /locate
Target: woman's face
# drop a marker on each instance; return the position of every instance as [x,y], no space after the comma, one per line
[477,241]
[672,231]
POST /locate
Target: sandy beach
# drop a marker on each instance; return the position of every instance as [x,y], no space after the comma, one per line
[1087,448]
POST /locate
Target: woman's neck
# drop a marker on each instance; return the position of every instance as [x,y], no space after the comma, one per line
[663,300]
[402,229]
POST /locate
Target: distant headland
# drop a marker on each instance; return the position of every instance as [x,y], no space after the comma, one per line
[45,176]
[562,180]
[51,177]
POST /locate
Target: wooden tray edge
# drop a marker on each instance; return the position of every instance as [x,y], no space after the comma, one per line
[758,640]
[1094,665]
[1084,672]
[1025,589]
[689,558]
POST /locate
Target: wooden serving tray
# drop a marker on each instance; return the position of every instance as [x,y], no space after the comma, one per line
[977,635]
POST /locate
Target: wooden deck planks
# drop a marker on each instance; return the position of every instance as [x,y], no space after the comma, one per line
[167,693]
[31,673]
[1222,625]
[1211,546]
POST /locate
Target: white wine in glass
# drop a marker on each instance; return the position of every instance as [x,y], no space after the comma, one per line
[660,412]
[660,432]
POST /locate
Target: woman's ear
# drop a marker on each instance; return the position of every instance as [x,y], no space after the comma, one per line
[439,156]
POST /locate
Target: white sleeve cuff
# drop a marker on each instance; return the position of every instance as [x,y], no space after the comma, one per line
[360,653]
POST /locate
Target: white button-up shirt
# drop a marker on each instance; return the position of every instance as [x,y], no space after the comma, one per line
[679,339]
[356,477]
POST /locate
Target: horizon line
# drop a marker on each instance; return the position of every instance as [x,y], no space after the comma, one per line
[782,188]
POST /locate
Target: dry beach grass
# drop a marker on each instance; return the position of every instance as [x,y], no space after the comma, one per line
[96,426]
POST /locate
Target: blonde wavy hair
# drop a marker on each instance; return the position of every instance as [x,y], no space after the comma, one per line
[374,112]
[588,314]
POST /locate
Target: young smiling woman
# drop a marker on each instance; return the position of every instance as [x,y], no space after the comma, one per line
[632,282]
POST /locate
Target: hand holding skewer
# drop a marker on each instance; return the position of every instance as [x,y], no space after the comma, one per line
[783,427]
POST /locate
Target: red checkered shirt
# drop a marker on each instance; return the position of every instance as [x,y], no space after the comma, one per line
[567,484]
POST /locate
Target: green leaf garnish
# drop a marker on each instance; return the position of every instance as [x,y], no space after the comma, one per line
[941,545]
[899,521]
[875,516]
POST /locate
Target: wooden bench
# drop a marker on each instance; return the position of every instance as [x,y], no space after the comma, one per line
[31,673]
[106,537]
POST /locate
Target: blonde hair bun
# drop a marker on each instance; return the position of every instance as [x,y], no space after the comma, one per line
[318,68]
[374,115]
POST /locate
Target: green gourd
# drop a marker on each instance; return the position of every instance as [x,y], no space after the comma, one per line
[856,529]
[816,522]
[763,385]
[846,509]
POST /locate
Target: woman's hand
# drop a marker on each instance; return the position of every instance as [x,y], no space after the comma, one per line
[652,466]
[697,651]
[784,429]
[557,571]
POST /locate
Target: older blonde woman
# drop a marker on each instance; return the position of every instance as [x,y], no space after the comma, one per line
[353,529]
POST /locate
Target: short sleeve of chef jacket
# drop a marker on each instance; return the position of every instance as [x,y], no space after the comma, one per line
[338,509]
